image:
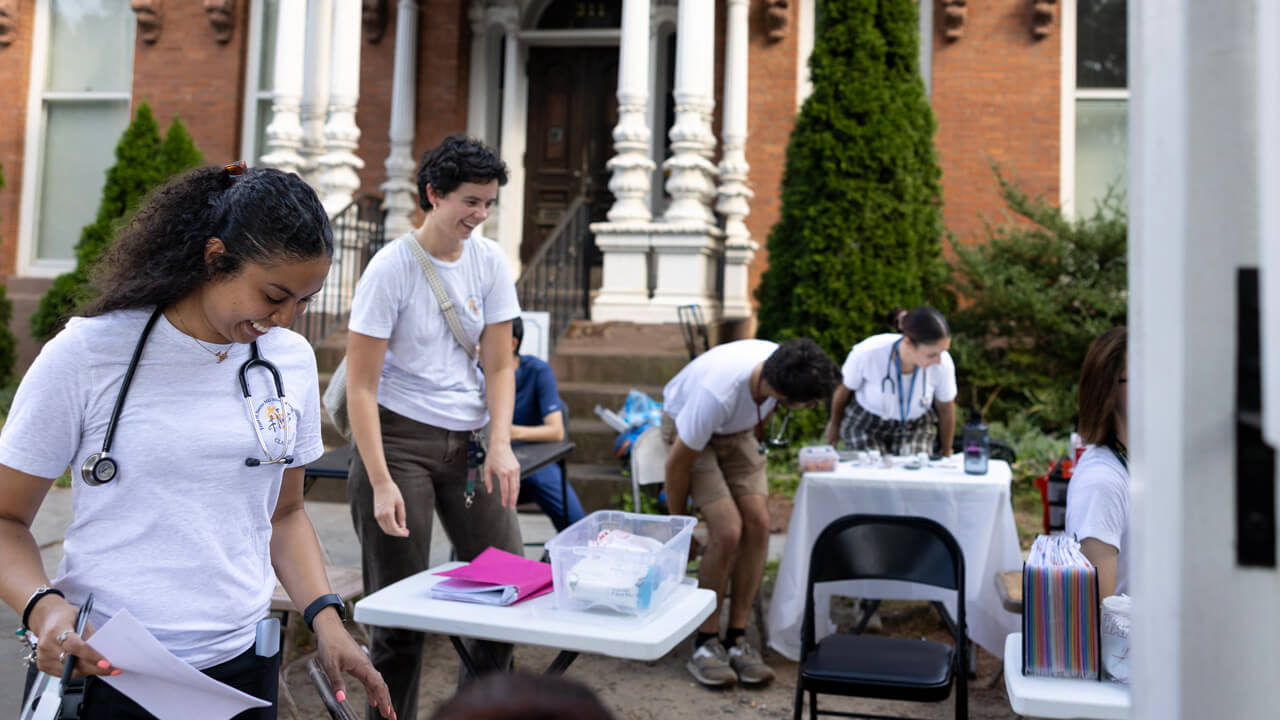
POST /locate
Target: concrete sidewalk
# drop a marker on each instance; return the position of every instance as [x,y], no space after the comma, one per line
[333,525]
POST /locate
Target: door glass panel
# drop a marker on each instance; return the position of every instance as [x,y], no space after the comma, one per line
[80,139]
[1102,140]
[1101,50]
[90,46]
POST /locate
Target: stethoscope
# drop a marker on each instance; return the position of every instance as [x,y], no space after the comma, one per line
[100,468]
[888,386]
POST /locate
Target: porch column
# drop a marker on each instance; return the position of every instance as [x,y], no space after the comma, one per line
[400,191]
[315,90]
[692,141]
[631,166]
[514,116]
[284,134]
[686,244]
[338,166]
[478,91]
[739,249]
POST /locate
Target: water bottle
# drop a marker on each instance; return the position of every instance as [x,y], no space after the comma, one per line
[976,448]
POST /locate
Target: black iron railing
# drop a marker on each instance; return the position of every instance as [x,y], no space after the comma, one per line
[358,233]
[555,279]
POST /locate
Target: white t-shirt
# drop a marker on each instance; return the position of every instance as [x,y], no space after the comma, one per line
[426,375]
[867,366]
[712,394]
[181,537]
[1098,505]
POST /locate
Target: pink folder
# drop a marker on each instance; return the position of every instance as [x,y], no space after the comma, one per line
[495,577]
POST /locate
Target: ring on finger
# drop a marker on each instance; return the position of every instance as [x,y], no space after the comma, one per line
[62,636]
[62,656]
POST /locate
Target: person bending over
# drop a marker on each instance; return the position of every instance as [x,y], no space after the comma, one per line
[713,418]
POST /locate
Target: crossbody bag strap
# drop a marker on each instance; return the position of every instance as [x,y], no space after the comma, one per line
[446,303]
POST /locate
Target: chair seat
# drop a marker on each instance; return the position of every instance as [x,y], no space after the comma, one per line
[873,666]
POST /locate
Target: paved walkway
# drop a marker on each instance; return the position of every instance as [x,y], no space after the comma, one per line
[333,525]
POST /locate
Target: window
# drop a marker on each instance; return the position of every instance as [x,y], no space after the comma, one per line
[258,81]
[1096,104]
[81,81]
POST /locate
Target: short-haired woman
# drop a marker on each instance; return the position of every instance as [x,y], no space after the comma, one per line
[903,387]
[1098,494]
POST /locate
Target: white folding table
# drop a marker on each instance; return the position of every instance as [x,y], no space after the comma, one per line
[1047,697]
[976,509]
[408,605]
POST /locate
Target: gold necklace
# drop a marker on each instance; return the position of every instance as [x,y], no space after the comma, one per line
[220,354]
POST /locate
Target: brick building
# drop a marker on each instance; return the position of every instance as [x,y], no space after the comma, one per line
[677,138]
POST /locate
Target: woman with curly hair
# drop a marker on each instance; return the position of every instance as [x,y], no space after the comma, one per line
[186,410]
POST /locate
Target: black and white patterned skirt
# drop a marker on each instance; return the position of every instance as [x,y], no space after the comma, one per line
[862,429]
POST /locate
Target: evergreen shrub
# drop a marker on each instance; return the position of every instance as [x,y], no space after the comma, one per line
[143,162]
[861,222]
[1038,289]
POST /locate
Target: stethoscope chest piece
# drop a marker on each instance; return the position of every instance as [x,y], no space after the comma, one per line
[98,469]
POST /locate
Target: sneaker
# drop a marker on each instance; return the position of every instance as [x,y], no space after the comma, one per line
[746,661]
[709,665]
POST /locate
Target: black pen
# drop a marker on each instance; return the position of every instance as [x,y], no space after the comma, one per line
[81,620]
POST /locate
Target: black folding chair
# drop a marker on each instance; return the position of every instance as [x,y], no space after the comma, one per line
[884,547]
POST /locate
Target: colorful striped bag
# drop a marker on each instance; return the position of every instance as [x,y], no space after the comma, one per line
[1061,619]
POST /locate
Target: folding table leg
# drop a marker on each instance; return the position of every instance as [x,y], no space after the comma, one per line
[464,656]
[561,663]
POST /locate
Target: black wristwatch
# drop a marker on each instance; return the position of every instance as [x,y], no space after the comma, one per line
[320,603]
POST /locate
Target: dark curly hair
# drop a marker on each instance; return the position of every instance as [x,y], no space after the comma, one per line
[925,325]
[458,159]
[263,216]
[801,371]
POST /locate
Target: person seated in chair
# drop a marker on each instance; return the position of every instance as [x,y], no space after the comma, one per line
[714,418]
[539,417]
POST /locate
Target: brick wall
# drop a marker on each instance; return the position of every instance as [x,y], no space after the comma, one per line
[15,72]
[996,97]
[188,74]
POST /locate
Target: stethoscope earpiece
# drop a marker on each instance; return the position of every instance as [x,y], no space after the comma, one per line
[98,469]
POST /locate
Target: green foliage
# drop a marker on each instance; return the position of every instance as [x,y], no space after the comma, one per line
[649,504]
[143,161]
[1035,449]
[861,223]
[8,341]
[1040,289]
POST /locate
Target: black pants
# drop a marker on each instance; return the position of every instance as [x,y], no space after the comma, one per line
[247,672]
[429,464]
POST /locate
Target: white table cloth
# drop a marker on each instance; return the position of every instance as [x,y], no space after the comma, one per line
[408,604]
[1047,697]
[976,509]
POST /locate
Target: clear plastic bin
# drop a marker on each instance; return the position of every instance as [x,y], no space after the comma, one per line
[621,579]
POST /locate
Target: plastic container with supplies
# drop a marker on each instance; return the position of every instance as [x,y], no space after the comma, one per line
[976,445]
[818,458]
[619,561]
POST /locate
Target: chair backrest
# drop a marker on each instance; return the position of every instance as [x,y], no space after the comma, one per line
[649,458]
[884,547]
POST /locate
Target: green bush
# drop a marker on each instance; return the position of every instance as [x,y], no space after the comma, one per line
[1040,288]
[143,161]
[861,222]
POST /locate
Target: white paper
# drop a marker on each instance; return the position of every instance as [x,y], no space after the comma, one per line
[476,592]
[157,680]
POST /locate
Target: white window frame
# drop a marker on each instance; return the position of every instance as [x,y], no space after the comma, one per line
[1070,95]
[253,92]
[27,261]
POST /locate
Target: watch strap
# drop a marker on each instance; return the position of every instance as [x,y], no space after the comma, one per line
[320,603]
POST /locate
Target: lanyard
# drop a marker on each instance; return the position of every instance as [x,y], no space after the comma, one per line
[904,403]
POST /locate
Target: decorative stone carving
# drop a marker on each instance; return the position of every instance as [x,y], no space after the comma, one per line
[777,15]
[954,14]
[8,22]
[222,16]
[1042,15]
[373,15]
[150,18]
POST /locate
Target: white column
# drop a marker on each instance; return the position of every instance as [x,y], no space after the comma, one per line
[400,191]
[315,91]
[338,166]
[514,116]
[690,184]
[631,166]
[734,193]
[284,134]
[478,91]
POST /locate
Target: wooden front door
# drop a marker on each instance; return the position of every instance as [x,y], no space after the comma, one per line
[573,107]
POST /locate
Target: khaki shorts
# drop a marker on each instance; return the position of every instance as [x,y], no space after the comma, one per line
[730,465]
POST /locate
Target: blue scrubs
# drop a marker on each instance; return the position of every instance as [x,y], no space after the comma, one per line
[536,398]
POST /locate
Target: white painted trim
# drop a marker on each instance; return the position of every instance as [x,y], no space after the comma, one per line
[1269,216]
[806,30]
[925,8]
[570,38]
[1102,94]
[65,96]
[252,71]
[1067,124]
[33,147]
